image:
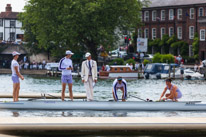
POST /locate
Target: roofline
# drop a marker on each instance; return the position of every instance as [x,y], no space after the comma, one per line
[197,4]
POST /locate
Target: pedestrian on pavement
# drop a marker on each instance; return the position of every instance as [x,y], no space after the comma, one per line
[66,66]
[89,75]
[15,76]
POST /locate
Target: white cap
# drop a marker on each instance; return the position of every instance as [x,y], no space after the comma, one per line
[14,53]
[87,54]
[68,52]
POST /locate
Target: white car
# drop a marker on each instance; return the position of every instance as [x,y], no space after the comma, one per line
[52,66]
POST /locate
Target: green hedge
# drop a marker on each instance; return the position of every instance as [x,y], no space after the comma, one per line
[130,61]
[119,61]
[163,58]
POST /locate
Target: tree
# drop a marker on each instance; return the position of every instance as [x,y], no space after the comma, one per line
[79,25]
[195,46]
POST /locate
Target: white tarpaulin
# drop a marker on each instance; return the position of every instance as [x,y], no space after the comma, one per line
[141,44]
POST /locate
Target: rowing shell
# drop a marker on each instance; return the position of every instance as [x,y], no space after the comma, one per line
[107,105]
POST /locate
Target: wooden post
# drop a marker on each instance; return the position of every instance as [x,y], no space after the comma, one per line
[174,72]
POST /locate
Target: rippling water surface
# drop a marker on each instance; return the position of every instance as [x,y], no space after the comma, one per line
[194,90]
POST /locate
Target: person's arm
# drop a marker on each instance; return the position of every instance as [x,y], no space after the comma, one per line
[61,66]
[163,93]
[18,73]
[95,70]
[82,72]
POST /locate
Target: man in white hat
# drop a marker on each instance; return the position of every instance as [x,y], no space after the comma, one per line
[15,76]
[65,65]
[89,75]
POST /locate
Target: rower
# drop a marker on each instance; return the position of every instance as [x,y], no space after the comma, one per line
[174,94]
[121,84]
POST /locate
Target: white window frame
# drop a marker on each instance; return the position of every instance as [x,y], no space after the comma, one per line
[162,15]
[192,13]
[146,33]
[154,15]
[171,14]
[179,32]
[201,8]
[140,33]
[202,35]
[154,33]
[146,18]
[191,32]
[179,14]
[1,35]
[170,35]
[162,34]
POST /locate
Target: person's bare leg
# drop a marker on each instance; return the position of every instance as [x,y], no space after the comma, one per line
[113,95]
[14,91]
[63,91]
[123,95]
[17,91]
[70,91]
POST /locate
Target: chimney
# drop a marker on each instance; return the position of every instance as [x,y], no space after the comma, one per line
[8,8]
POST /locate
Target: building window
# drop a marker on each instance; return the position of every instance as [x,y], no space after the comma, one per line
[154,15]
[201,11]
[191,32]
[202,35]
[146,33]
[12,36]
[12,23]
[171,31]
[179,14]
[154,33]
[139,33]
[146,16]
[162,14]
[179,32]
[1,35]
[1,22]
[162,32]
[171,14]
[192,13]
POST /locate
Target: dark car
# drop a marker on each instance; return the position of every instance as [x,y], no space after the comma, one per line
[131,56]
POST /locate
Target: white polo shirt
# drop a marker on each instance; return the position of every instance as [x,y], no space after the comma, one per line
[14,63]
[64,64]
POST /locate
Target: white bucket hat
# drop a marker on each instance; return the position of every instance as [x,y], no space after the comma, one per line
[14,53]
[68,52]
[87,54]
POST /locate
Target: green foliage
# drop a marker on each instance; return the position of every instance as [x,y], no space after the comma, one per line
[155,45]
[146,62]
[130,61]
[163,58]
[78,25]
[172,39]
[118,61]
[190,60]
[182,46]
[195,46]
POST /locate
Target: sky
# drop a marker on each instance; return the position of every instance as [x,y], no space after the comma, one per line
[17,5]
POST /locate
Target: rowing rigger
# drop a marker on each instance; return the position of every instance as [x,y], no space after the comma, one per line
[105,105]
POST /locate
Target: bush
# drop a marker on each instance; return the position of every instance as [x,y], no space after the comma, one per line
[119,61]
[130,61]
[146,62]
[163,58]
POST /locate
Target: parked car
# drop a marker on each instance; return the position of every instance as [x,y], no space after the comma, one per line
[116,53]
[148,57]
[52,66]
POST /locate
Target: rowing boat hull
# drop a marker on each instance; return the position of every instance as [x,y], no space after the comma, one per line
[81,105]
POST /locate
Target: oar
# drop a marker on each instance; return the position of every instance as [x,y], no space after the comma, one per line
[138,98]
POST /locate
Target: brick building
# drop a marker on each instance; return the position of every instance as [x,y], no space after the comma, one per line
[181,17]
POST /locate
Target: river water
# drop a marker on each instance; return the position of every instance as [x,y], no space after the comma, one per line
[193,90]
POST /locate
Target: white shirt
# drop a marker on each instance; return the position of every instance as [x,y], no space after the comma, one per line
[64,64]
[14,63]
[117,86]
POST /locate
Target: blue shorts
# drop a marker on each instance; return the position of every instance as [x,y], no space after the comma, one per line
[15,79]
[66,79]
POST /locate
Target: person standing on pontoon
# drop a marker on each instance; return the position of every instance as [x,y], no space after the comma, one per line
[174,94]
[15,76]
[89,75]
[121,84]
[65,65]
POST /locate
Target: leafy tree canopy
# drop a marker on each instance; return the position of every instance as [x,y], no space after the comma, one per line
[79,25]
